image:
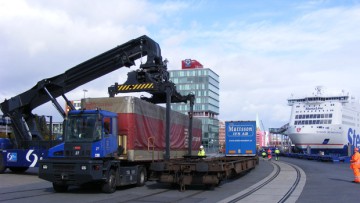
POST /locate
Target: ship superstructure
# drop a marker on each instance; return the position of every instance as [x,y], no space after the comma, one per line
[328,123]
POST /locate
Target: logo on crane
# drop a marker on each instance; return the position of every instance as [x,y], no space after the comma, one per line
[14,157]
[34,161]
[11,157]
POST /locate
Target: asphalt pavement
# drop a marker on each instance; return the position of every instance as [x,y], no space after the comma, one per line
[326,182]
[320,182]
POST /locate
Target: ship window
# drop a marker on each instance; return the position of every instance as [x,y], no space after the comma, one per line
[310,122]
[326,115]
[317,121]
[329,121]
[322,115]
[330,115]
[307,116]
[306,122]
[325,122]
[311,115]
[318,116]
[297,116]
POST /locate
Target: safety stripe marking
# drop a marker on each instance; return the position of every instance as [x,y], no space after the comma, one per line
[136,86]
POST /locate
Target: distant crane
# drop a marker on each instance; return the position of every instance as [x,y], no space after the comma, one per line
[262,126]
[265,138]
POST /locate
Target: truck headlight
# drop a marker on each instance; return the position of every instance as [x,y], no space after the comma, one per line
[83,168]
[44,167]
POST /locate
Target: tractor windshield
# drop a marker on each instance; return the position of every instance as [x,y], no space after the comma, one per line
[83,127]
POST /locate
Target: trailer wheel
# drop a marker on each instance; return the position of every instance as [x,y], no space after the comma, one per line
[110,185]
[60,187]
[141,177]
[18,169]
[2,164]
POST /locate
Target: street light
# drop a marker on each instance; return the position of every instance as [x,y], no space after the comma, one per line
[84,92]
[50,127]
[6,125]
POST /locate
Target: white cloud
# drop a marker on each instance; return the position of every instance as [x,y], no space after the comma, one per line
[260,63]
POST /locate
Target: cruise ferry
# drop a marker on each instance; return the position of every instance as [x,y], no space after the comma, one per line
[324,123]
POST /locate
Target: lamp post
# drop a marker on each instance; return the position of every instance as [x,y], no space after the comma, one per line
[50,128]
[6,125]
[84,92]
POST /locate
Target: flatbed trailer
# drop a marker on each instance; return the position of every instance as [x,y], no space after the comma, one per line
[240,156]
[194,170]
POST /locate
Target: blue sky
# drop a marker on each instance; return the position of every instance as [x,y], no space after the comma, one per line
[263,51]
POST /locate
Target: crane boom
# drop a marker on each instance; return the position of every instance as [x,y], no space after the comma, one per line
[19,108]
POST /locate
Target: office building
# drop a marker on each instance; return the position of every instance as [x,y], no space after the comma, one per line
[204,83]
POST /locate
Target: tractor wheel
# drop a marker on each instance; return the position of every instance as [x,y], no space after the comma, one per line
[2,164]
[18,169]
[141,178]
[60,187]
[110,185]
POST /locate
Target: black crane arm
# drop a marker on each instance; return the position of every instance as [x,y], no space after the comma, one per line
[156,81]
[19,108]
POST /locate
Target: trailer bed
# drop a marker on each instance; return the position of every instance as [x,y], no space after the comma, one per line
[193,170]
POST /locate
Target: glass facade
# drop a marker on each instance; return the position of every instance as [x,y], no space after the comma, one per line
[204,83]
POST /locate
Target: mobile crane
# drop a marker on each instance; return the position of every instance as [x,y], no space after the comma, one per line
[29,145]
[92,151]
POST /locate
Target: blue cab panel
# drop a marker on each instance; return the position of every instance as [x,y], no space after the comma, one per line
[88,134]
[5,143]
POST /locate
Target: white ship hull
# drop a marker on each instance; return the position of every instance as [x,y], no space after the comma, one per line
[324,123]
[304,137]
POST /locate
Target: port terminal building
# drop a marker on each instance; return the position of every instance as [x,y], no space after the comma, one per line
[204,84]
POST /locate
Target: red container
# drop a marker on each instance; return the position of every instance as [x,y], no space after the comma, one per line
[141,128]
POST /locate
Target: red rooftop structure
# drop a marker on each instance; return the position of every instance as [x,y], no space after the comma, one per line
[190,64]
